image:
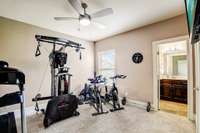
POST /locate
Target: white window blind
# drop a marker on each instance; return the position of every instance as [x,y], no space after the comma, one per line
[106,64]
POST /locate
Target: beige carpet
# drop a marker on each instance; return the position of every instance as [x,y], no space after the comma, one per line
[130,120]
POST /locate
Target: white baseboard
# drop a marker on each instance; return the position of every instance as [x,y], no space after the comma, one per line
[28,110]
[31,109]
[139,104]
[191,117]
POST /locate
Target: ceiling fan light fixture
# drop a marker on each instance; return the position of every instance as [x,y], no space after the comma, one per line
[84,18]
[85,21]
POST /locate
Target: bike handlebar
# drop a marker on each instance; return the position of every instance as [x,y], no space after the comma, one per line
[118,76]
[97,80]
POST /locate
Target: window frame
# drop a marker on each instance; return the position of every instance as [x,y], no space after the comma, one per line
[99,58]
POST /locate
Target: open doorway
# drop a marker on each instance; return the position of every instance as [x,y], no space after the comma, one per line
[172,76]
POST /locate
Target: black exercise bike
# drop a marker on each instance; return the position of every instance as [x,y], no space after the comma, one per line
[86,94]
[112,95]
[95,95]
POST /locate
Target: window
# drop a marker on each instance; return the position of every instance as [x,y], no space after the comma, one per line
[106,64]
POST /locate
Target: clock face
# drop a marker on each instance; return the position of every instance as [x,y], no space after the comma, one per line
[137,58]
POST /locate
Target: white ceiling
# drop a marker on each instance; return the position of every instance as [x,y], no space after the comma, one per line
[128,14]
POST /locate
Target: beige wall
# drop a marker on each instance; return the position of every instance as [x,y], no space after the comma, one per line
[139,82]
[18,45]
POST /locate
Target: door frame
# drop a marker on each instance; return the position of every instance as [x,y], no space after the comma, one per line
[156,90]
[197,85]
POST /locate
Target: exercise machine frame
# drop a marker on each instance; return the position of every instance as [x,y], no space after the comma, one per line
[62,70]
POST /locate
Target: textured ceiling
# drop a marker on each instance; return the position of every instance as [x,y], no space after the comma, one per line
[128,14]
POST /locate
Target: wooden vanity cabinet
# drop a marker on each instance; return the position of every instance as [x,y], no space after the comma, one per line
[173,90]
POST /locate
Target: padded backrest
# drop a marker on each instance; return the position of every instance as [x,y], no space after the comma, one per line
[3,64]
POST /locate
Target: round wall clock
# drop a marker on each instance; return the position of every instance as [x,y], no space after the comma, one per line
[137,58]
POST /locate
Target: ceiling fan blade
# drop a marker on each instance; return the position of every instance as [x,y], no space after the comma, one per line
[99,25]
[76,4]
[102,13]
[64,18]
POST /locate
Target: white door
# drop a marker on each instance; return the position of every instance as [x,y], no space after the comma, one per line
[156,75]
[197,88]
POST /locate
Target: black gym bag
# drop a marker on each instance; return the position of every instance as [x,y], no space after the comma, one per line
[59,108]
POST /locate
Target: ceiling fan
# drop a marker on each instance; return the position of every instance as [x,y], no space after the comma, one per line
[84,18]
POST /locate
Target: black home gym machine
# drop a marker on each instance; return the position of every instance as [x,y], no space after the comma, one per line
[62,104]
[12,76]
[112,95]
